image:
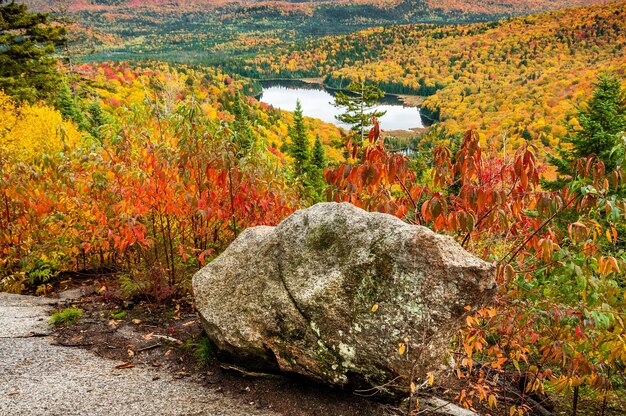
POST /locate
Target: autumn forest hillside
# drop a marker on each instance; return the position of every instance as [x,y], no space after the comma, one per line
[135,148]
[513,80]
[212,31]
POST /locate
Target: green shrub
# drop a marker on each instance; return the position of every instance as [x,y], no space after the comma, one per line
[66,317]
[202,350]
[41,271]
[117,315]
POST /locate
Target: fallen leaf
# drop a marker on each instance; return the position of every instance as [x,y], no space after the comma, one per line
[401,348]
[375,307]
[136,321]
[431,378]
[125,365]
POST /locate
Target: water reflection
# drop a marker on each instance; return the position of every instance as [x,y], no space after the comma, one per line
[317,102]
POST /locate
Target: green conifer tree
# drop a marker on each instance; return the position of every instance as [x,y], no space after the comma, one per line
[315,171]
[299,148]
[359,103]
[95,120]
[69,108]
[318,159]
[28,43]
[243,133]
[602,128]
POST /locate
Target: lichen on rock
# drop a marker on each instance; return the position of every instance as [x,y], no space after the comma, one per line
[333,290]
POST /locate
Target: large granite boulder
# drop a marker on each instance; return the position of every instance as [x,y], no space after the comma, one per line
[341,296]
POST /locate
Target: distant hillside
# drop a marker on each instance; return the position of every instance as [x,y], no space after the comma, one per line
[469,7]
[210,31]
[505,7]
[515,78]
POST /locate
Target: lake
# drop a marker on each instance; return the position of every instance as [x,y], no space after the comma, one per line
[317,102]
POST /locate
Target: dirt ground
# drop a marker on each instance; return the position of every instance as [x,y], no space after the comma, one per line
[166,336]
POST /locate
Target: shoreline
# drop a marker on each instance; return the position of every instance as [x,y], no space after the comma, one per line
[409,100]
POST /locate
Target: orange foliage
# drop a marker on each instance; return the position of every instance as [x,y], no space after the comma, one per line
[558,319]
[162,190]
[507,79]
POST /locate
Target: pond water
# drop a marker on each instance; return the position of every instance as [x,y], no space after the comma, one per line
[317,102]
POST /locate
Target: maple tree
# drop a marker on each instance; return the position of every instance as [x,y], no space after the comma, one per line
[558,317]
[160,182]
[149,171]
[509,80]
[29,131]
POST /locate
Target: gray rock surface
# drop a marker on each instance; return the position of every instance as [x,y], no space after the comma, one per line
[38,378]
[24,316]
[337,294]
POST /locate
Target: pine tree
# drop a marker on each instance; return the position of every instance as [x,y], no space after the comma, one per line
[244,136]
[602,128]
[95,120]
[315,171]
[318,159]
[359,103]
[27,44]
[69,108]
[299,148]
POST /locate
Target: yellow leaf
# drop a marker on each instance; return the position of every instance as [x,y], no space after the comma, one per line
[375,307]
[401,348]
[431,378]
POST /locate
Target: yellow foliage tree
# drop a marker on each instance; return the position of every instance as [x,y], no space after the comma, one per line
[27,131]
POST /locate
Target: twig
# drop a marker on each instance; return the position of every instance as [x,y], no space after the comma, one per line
[546,222]
[246,373]
[150,347]
[376,389]
[168,339]
[67,344]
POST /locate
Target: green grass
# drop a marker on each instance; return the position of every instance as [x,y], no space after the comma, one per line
[66,317]
[117,315]
[202,350]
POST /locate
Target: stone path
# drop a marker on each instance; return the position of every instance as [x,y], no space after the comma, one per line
[38,378]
